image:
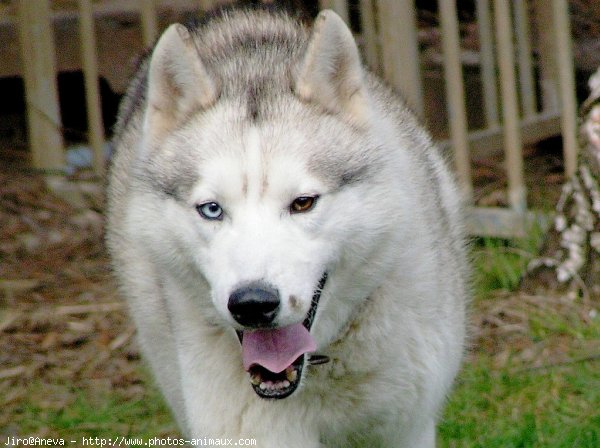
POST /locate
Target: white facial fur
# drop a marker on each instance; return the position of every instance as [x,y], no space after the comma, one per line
[254,172]
[218,118]
[257,238]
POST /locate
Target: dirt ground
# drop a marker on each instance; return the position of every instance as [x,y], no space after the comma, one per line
[61,321]
[64,329]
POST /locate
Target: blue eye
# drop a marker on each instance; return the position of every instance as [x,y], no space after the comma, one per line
[210,210]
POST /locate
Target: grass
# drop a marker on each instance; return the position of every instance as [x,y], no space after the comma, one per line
[519,388]
[555,407]
[114,415]
[92,414]
[499,264]
[508,397]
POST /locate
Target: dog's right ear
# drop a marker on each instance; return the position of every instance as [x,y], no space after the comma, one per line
[178,83]
[331,74]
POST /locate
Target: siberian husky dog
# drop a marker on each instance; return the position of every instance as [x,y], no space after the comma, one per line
[288,238]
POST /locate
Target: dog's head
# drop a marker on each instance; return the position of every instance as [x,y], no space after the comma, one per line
[269,194]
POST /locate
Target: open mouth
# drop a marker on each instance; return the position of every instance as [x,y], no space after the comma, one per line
[275,376]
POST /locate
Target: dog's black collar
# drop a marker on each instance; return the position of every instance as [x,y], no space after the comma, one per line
[308,321]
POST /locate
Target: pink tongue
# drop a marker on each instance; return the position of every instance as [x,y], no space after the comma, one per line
[276,349]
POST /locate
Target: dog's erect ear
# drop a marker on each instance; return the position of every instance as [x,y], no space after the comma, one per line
[331,74]
[178,83]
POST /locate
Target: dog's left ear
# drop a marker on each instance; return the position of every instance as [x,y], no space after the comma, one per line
[331,74]
[178,83]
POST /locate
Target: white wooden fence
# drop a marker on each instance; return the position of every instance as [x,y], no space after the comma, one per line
[390,44]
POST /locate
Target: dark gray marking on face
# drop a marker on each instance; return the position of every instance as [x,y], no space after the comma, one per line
[264,184]
[294,302]
[354,175]
[245,185]
[339,174]
[253,98]
[172,175]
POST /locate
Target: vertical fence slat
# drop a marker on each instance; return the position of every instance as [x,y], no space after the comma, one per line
[89,58]
[400,50]
[488,67]
[546,47]
[39,71]
[206,5]
[455,94]
[567,84]
[149,22]
[524,57]
[369,34]
[510,108]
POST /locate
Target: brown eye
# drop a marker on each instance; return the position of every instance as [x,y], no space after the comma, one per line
[303,204]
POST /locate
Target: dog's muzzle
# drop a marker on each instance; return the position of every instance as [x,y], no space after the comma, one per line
[273,374]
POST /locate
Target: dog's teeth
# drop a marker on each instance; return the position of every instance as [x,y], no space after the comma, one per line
[291,374]
[281,385]
[270,385]
[255,379]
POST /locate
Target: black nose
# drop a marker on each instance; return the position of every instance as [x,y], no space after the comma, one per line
[254,305]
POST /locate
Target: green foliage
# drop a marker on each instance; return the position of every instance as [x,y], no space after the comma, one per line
[499,264]
[108,414]
[519,405]
[557,407]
